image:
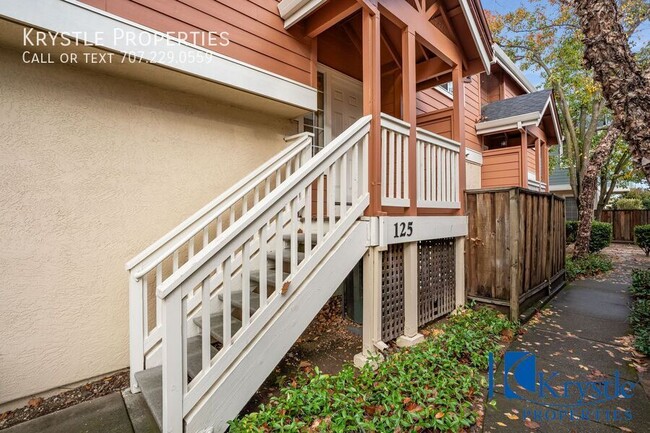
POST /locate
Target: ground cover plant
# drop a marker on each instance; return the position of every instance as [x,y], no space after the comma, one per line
[430,387]
[640,315]
[589,266]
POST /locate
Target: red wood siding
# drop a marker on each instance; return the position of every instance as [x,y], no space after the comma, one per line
[511,88]
[439,122]
[501,167]
[472,113]
[432,100]
[256,31]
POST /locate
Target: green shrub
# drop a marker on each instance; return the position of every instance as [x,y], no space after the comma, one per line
[642,238]
[641,283]
[646,203]
[601,236]
[640,315]
[430,386]
[589,266]
[629,204]
[640,322]
[571,231]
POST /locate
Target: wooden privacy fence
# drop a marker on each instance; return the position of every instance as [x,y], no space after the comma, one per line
[516,246]
[624,221]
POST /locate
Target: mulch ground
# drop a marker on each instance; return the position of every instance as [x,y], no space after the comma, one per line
[42,406]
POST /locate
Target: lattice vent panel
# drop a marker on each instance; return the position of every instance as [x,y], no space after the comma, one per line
[436,279]
[392,292]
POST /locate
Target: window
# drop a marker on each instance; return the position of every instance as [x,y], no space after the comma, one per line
[447,89]
[315,122]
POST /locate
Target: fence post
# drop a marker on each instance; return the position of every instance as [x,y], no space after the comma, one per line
[459,252]
[411,336]
[514,259]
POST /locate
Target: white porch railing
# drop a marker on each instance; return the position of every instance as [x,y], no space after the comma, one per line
[534,184]
[259,239]
[155,265]
[437,171]
[394,162]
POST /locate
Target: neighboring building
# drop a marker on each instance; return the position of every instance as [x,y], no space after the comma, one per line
[204,100]
[559,184]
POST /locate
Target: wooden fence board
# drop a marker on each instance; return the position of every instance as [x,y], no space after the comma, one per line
[516,245]
[624,222]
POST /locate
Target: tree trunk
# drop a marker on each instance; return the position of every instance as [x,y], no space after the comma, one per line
[624,85]
[588,193]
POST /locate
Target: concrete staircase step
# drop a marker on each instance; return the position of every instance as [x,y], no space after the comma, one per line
[150,380]
[236,299]
[216,327]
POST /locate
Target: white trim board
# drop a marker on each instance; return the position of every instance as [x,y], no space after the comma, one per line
[423,228]
[293,11]
[473,156]
[486,58]
[67,16]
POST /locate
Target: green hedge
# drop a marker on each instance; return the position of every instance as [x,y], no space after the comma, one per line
[571,231]
[642,238]
[601,234]
[640,315]
[433,385]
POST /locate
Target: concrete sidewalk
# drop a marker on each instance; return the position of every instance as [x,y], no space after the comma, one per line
[579,335]
[114,413]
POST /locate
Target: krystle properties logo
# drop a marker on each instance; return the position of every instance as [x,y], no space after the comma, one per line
[560,399]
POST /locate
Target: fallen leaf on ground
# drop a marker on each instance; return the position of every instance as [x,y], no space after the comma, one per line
[531,424]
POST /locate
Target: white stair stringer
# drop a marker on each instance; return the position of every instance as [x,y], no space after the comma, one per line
[253,365]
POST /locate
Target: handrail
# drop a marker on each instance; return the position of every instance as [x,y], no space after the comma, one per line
[165,246]
[262,237]
[265,206]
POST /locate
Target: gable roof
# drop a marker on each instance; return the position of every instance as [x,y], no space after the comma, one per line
[519,112]
[519,105]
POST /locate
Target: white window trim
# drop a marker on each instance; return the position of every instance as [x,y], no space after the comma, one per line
[66,16]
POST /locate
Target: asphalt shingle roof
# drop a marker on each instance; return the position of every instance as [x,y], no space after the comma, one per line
[524,104]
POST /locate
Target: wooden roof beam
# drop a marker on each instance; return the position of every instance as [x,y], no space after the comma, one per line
[431,69]
[329,15]
[433,10]
[427,34]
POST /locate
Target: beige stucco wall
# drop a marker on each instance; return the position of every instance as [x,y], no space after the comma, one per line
[92,170]
[473,174]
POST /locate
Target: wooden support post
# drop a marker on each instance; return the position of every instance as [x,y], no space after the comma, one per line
[460,272]
[410,113]
[173,357]
[524,158]
[538,162]
[514,254]
[371,308]
[458,132]
[372,104]
[545,170]
[137,292]
[411,336]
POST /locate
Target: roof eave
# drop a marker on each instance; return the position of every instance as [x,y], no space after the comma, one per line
[509,123]
[506,63]
[483,47]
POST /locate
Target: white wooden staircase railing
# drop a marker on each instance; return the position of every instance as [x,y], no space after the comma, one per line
[149,269]
[272,251]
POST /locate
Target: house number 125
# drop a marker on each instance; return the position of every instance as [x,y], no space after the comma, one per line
[403,230]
